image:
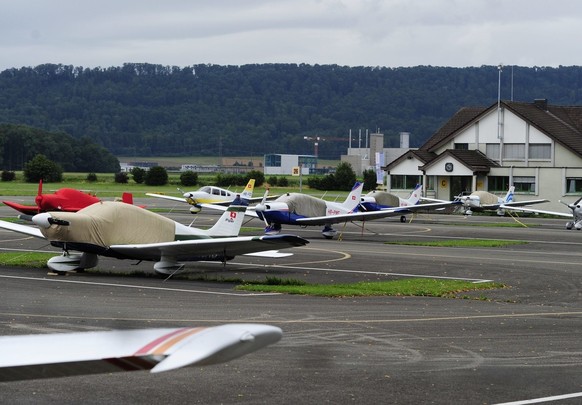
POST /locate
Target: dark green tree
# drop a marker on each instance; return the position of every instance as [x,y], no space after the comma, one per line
[369,180]
[156,176]
[345,177]
[138,175]
[42,168]
[189,178]
[121,177]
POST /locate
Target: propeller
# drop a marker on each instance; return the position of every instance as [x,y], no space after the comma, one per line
[261,205]
[38,199]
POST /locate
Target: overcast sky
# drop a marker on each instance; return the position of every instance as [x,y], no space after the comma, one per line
[389,33]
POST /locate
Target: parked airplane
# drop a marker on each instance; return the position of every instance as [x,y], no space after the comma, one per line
[381,200]
[576,215]
[64,199]
[205,195]
[304,210]
[479,201]
[69,354]
[124,231]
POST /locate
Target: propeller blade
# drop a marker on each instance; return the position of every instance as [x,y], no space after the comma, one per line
[38,199]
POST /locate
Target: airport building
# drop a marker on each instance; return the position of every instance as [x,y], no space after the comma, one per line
[282,164]
[537,147]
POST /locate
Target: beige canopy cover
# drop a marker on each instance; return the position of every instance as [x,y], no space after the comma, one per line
[485,197]
[111,223]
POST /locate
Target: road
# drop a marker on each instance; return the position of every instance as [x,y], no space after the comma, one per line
[521,342]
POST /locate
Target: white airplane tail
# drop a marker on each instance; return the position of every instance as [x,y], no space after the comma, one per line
[231,220]
[353,200]
[509,196]
[414,197]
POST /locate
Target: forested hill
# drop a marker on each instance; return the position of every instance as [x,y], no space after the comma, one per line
[145,109]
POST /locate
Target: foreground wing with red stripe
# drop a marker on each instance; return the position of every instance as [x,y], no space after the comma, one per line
[68,354]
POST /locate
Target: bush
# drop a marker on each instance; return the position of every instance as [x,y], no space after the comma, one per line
[156,176]
[283,182]
[121,178]
[91,177]
[189,178]
[8,175]
[138,174]
[40,167]
[369,180]
[273,180]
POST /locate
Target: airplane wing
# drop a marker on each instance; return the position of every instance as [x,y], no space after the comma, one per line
[68,354]
[167,197]
[208,249]
[512,204]
[24,229]
[25,209]
[535,211]
[371,215]
[217,206]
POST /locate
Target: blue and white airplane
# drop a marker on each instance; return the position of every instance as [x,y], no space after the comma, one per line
[480,200]
[304,210]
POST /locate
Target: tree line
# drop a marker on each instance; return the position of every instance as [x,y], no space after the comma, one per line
[141,109]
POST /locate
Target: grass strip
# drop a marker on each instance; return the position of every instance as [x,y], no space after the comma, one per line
[424,287]
[485,243]
[26,259]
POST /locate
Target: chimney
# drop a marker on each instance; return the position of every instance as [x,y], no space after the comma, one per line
[541,103]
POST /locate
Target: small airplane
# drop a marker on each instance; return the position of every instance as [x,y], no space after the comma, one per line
[479,201]
[304,210]
[381,201]
[576,215]
[28,357]
[64,199]
[124,231]
[205,195]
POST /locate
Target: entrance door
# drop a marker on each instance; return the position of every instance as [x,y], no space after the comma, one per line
[460,185]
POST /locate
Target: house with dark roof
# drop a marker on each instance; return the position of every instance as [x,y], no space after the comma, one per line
[537,147]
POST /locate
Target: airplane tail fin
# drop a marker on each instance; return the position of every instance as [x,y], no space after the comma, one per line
[127,198]
[231,220]
[509,196]
[414,197]
[353,200]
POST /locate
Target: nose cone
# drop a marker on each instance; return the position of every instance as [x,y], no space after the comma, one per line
[42,220]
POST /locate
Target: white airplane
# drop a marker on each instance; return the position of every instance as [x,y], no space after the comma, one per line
[124,231]
[305,210]
[383,201]
[80,353]
[205,195]
[576,215]
[479,201]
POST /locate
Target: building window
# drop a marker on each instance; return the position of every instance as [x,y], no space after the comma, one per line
[404,182]
[573,185]
[524,184]
[498,183]
[492,151]
[273,160]
[540,151]
[514,151]
[462,146]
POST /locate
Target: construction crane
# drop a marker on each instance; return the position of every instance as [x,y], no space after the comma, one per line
[317,139]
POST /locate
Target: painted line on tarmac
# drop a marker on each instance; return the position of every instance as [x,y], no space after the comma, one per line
[545,399]
[139,287]
[299,321]
[376,273]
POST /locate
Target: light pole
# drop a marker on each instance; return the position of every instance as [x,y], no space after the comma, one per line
[499,133]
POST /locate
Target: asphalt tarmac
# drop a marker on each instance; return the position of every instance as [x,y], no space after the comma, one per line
[519,343]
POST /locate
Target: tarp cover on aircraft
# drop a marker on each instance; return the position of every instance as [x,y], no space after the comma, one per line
[111,223]
[386,199]
[485,197]
[303,204]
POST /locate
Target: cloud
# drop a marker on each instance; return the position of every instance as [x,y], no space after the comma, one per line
[344,32]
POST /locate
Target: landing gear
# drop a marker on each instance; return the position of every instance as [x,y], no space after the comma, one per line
[273,229]
[72,262]
[403,218]
[328,232]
